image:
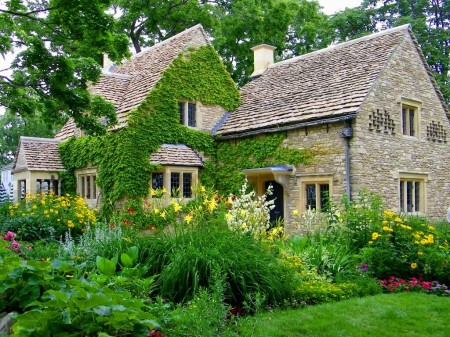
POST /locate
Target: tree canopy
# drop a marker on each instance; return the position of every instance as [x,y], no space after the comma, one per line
[58,45]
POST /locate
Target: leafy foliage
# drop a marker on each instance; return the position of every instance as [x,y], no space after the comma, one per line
[123,156]
[58,47]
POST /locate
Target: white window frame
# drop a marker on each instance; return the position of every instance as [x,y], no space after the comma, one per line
[82,186]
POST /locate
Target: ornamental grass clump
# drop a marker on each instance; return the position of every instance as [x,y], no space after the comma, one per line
[250,213]
[48,216]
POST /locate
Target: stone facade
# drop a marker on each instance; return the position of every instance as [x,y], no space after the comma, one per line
[209,116]
[380,157]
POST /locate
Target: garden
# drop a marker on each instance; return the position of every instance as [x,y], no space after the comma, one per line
[209,266]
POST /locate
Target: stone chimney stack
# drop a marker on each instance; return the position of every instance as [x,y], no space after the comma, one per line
[263,58]
[107,63]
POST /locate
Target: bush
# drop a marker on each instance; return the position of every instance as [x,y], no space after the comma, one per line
[48,217]
[186,260]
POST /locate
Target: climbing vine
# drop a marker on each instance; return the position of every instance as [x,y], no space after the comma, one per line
[233,156]
[122,156]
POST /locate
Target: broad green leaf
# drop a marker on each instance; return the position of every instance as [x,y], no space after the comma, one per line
[126,260]
[106,266]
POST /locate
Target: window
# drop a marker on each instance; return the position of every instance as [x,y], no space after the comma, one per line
[157,180]
[412,194]
[317,196]
[410,117]
[87,186]
[179,181]
[22,188]
[316,191]
[47,185]
[188,113]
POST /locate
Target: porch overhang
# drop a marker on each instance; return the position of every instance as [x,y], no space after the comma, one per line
[280,173]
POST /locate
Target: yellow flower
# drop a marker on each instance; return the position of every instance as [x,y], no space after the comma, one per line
[156,211]
[431,228]
[163,215]
[397,219]
[176,207]
[152,192]
[385,222]
[419,253]
[70,224]
[387,229]
[164,190]
[389,214]
[228,217]
[295,212]
[34,207]
[202,189]
[413,265]
[188,218]
[375,236]
[370,242]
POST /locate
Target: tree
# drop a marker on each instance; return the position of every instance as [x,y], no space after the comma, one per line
[59,45]
[13,126]
[430,21]
[235,25]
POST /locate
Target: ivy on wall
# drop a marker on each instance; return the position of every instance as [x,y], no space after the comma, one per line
[232,157]
[122,156]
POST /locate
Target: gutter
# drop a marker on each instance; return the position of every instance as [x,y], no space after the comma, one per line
[287,127]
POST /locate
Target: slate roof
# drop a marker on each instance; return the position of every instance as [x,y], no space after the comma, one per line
[177,155]
[330,83]
[38,154]
[129,83]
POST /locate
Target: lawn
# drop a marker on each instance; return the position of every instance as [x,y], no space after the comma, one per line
[388,315]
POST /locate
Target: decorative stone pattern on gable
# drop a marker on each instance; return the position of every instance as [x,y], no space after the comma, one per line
[378,159]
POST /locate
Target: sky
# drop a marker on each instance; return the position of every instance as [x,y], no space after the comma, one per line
[333,6]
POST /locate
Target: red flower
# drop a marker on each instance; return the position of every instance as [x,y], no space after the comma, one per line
[130,211]
[126,222]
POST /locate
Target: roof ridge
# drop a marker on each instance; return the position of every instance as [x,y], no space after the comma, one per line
[405,27]
[39,139]
[186,31]
[117,75]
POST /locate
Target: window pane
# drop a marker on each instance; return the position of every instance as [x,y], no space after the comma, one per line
[83,192]
[175,184]
[311,196]
[181,112]
[402,196]
[56,187]
[157,180]
[411,122]
[404,118]
[46,186]
[38,186]
[88,187]
[324,197]
[409,196]
[416,196]
[191,114]
[187,184]
[23,189]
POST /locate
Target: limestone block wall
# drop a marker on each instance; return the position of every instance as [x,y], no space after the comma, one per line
[209,116]
[381,153]
[330,162]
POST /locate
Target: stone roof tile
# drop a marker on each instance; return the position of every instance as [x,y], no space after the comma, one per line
[327,83]
[40,154]
[177,155]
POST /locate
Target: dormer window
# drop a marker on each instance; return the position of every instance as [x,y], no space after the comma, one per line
[188,113]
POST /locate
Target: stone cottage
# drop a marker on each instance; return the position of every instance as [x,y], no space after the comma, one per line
[371,105]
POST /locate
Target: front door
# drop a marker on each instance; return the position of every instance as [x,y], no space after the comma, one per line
[277,213]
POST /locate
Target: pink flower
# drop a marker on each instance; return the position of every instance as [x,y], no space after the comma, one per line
[9,236]
[15,244]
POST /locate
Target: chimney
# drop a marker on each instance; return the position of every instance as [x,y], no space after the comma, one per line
[108,65]
[263,58]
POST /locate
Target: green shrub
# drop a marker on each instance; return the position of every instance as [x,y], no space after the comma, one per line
[47,217]
[185,261]
[315,292]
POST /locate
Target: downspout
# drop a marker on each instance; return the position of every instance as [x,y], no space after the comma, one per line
[347,133]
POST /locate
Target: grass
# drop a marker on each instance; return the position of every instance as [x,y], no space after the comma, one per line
[387,315]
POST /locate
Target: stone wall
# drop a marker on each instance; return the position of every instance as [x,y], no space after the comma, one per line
[209,116]
[380,156]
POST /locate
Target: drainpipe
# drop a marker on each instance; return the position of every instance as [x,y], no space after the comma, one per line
[347,133]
